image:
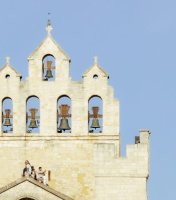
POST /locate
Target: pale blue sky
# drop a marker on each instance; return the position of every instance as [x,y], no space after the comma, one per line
[135,41]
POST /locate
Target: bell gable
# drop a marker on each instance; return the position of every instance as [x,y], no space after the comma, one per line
[49,47]
[8,71]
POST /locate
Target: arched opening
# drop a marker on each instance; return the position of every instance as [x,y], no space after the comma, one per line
[33,115]
[7,76]
[27,198]
[48,68]
[64,114]
[7,115]
[95,117]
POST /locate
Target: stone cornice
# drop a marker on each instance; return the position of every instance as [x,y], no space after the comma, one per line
[60,137]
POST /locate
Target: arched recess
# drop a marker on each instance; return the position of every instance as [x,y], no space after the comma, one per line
[33,114]
[64,114]
[7,115]
[48,67]
[26,199]
[95,116]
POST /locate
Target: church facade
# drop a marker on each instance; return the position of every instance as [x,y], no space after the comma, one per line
[70,128]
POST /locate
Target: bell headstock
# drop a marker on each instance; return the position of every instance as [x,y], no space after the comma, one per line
[96,115]
[7,113]
[64,108]
[33,112]
[49,65]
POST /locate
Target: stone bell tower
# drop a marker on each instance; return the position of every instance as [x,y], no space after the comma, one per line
[70,129]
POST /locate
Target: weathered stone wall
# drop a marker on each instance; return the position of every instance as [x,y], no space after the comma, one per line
[123,178]
[70,160]
[82,167]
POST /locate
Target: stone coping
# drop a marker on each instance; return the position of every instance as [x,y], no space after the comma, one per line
[31,180]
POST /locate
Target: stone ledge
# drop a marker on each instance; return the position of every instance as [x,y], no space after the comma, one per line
[59,137]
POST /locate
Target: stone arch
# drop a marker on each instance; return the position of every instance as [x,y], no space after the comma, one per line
[7,115]
[64,108]
[33,114]
[48,67]
[95,95]
[26,199]
[95,114]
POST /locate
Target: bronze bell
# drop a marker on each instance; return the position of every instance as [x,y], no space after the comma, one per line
[95,123]
[64,125]
[7,122]
[49,73]
[33,124]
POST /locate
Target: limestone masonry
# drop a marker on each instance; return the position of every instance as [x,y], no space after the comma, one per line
[70,128]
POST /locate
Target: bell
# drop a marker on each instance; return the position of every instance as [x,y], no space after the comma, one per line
[95,123]
[49,73]
[7,122]
[33,124]
[64,125]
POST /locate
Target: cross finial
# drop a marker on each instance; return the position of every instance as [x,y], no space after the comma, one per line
[95,60]
[8,60]
[49,27]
